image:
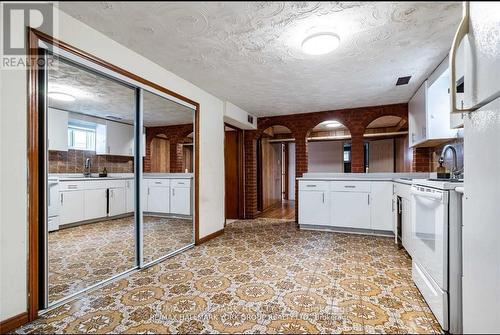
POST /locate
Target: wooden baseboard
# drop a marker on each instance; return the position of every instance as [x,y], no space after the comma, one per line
[14,322]
[209,237]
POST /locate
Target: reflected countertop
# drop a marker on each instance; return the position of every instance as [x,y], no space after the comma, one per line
[166,175]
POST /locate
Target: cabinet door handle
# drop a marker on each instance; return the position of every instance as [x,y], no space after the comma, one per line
[349,186]
[148,190]
[323,197]
[368,199]
[62,198]
[173,192]
[310,185]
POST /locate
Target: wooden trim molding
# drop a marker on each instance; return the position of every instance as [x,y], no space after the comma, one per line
[34,36]
[210,236]
[14,322]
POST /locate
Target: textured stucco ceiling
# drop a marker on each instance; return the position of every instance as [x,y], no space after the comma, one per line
[100,96]
[249,52]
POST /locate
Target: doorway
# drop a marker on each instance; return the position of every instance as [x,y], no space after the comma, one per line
[276,173]
[233,171]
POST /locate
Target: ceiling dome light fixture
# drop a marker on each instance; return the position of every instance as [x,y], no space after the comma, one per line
[320,43]
[61,96]
[333,124]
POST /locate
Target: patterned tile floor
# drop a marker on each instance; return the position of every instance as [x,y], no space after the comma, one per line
[261,276]
[88,254]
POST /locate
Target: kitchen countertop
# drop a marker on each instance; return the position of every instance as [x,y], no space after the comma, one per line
[166,175]
[405,178]
[118,176]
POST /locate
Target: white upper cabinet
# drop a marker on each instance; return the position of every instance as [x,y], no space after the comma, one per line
[57,132]
[457,119]
[429,110]
[115,138]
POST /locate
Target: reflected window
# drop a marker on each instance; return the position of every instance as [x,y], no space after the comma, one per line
[81,135]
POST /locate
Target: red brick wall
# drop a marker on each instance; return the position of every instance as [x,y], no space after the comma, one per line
[422,158]
[175,135]
[355,119]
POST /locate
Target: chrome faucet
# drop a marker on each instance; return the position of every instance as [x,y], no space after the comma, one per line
[456,172]
[86,168]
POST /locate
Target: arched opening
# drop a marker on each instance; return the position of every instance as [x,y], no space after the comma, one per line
[386,145]
[329,148]
[276,173]
[188,153]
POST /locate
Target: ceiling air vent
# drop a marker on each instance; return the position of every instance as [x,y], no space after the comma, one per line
[403,80]
[250,119]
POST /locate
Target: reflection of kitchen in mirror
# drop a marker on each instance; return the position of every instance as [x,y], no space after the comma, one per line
[167,191]
[90,182]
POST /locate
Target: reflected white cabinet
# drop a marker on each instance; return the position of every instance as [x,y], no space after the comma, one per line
[72,206]
[381,206]
[95,203]
[129,192]
[314,206]
[57,132]
[180,200]
[115,138]
[158,195]
[180,196]
[350,209]
[117,201]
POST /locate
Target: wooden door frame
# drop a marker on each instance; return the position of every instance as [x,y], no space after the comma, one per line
[241,170]
[33,39]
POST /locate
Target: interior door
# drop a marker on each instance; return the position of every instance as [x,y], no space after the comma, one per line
[271,174]
[160,155]
[231,156]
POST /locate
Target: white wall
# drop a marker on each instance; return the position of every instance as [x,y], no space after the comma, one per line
[13,163]
[237,117]
[326,156]
[291,171]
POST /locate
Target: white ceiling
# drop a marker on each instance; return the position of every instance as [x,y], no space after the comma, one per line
[249,52]
[103,97]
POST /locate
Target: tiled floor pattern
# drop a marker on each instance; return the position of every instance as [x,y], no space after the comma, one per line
[87,254]
[261,276]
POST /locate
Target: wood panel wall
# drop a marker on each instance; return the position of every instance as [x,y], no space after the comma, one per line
[271,174]
[160,155]
[381,156]
[187,160]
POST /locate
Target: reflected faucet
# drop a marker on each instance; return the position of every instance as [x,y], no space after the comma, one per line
[86,167]
[456,172]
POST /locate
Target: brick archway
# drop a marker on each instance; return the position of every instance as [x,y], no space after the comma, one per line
[355,119]
[175,135]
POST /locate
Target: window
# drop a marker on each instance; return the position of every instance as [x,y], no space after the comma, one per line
[81,135]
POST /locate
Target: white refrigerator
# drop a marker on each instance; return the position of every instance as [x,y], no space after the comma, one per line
[480,35]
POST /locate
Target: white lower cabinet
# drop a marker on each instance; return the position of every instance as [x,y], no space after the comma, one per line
[95,204]
[406,225]
[353,204]
[314,208]
[158,198]
[130,195]
[381,206]
[350,209]
[117,201]
[72,206]
[180,200]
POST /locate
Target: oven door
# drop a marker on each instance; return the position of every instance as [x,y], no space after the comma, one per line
[429,222]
